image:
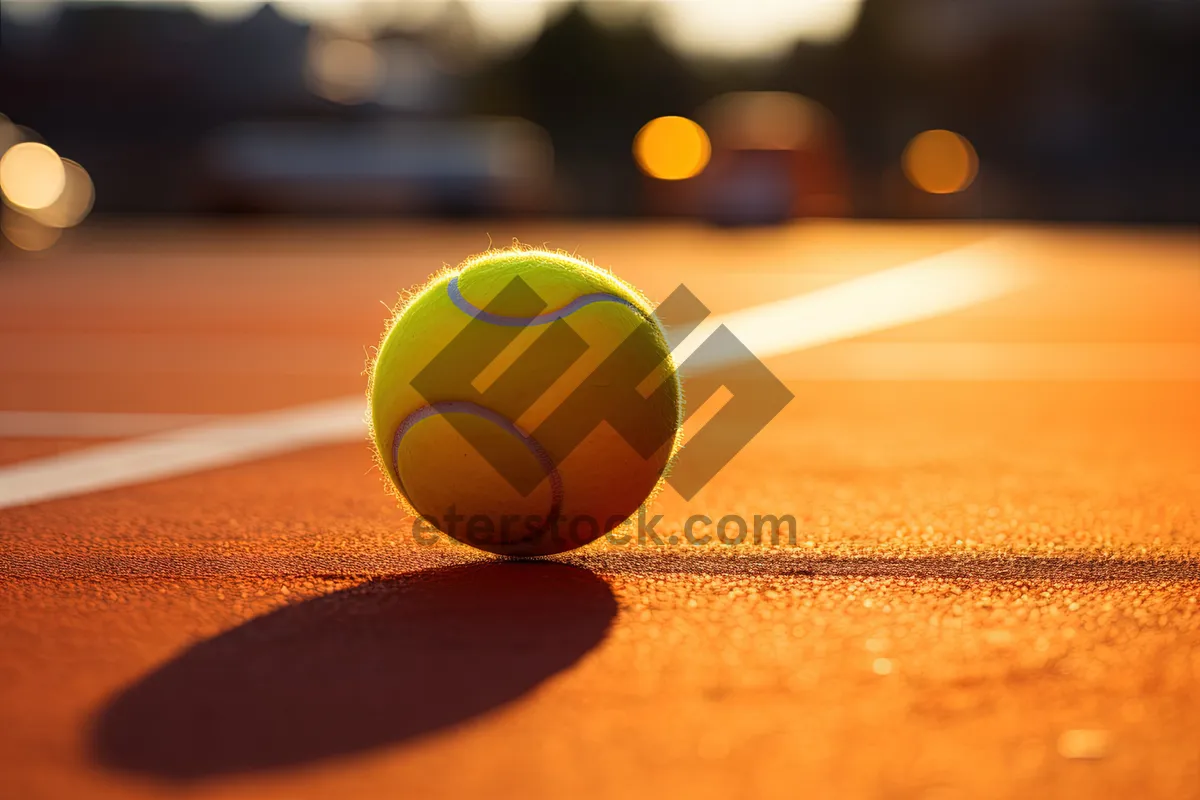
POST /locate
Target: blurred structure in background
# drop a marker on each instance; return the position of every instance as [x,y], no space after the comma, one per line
[758,158]
[778,156]
[437,166]
[1056,109]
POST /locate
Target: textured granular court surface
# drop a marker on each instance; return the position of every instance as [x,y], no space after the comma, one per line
[994,589]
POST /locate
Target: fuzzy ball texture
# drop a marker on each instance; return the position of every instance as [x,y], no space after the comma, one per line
[497,371]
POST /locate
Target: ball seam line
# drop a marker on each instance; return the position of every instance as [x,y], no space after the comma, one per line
[467,307]
[464,407]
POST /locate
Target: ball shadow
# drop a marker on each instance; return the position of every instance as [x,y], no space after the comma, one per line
[358,669]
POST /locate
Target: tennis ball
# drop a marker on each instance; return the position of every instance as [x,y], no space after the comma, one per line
[525,402]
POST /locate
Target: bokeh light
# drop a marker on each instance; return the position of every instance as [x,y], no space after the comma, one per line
[503,27]
[73,204]
[26,232]
[42,192]
[319,12]
[940,162]
[363,18]
[764,29]
[32,175]
[695,28]
[226,11]
[344,70]
[414,17]
[32,12]
[672,148]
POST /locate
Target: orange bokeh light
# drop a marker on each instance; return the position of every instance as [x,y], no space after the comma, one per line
[940,162]
[672,148]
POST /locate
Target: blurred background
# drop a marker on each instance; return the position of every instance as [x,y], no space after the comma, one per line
[749,112]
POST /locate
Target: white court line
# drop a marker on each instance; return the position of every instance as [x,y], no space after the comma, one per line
[124,353]
[219,443]
[994,361]
[927,287]
[91,425]
[921,289]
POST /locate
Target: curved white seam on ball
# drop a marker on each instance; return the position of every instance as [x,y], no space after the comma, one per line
[472,310]
[465,407]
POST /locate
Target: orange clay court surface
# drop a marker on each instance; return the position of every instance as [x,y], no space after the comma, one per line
[994,592]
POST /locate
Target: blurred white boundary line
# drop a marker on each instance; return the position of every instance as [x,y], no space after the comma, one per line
[219,443]
[1058,362]
[91,425]
[924,288]
[927,287]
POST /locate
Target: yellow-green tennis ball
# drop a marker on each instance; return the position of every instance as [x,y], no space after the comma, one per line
[528,357]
